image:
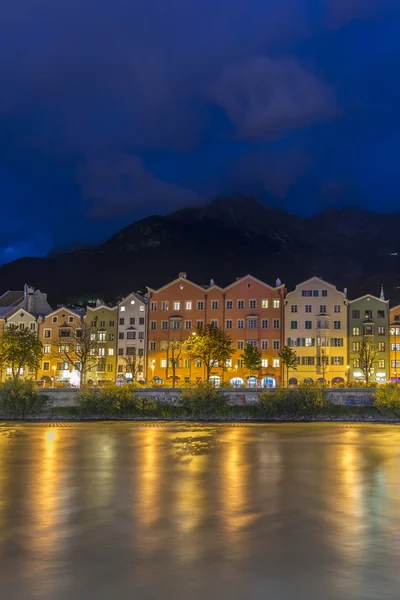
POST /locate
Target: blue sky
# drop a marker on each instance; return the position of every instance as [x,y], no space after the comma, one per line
[114,110]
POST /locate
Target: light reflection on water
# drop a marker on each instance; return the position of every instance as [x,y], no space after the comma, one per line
[96,511]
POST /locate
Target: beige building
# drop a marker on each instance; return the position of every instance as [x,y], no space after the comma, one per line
[316,328]
[22,319]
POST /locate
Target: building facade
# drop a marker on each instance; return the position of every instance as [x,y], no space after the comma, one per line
[394,338]
[103,321]
[369,317]
[29,299]
[316,328]
[22,319]
[248,310]
[132,339]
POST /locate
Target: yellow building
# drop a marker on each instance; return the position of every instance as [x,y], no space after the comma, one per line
[103,320]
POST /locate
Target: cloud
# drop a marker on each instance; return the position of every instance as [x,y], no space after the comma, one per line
[266,98]
[120,184]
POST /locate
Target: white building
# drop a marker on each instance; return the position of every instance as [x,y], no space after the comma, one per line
[132,328]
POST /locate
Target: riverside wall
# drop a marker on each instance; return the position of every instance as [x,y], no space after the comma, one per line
[64,397]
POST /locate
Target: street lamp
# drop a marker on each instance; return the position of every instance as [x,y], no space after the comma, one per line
[348,374]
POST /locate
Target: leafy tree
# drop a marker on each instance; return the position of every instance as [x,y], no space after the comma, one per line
[20,349]
[252,359]
[174,351]
[21,398]
[212,346]
[80,349]
[288,357]
[366,356]
[133,363]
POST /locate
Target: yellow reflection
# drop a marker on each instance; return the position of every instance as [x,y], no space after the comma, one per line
[190,493]
[148,506]
[100,486]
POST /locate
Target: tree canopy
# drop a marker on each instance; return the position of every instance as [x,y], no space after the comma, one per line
[20,349]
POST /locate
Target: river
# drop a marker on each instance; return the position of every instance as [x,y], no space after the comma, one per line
[199,511]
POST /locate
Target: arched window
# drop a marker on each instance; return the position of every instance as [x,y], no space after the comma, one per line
[268,382]
[252,381]
[215,380]
[293,381]
[237,382]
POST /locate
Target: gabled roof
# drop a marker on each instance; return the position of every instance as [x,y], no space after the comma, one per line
[368,296]
[22,310]
[248,276]
[331,285]
[73,311]
[136,295]
[10,298]
[101,306]
[182,280]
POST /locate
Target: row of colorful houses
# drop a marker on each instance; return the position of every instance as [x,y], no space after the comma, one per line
[133,338]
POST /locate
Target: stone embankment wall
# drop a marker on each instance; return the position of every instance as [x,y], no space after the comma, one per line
[345,396]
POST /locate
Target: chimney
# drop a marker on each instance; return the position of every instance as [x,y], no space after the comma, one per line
[212,282]
[182,275]
[28,297]
[278,282]
[98,303]
[345,292]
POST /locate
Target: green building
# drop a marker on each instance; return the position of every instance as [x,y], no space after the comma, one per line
[103,320]
[369,323]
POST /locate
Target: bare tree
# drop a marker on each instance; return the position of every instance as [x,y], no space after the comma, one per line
[81,348]
[173,352]
[133,363]
[366,357]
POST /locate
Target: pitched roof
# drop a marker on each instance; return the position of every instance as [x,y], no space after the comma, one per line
[10,298]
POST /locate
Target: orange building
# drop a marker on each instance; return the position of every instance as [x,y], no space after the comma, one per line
[394,331]
[249,311]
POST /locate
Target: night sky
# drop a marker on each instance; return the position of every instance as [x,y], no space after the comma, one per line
[111,110]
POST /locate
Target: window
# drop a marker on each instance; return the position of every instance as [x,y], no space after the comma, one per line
[93,323]
[322,309]
[240,324]
[336,308]
[355,314]
[368,329]
[175,324]
[276,363]
[264,344]
[187,363]
[102,323]
[32,326]
[120,351]
[293,324]
[308,342]
[111,323]
[152,345]
[165,305]
[306,293]
[240,304]
[276,323]
[120,369]
[199,324]
[381,363]
[101,336]
[54,319]
[293,308]
[92,337]
[240,344]
[337,360]
[395,347]
[395,331]
[337,325]
[214,322]
[140,352]
[131,335]
[62,366]
[264,362]
[122,321]
[322,324]
[163,363]
[253,343]
[109,368]
[200,305]
[356,346]
[229,324]
[324,293]
[122,309]
[214,304]
[141,307]
[141,320]
[177,305]
[164,325]
[252,323]
[199,363]
[46,349]
[276,344]
[308,360]
[381,330]
[64,333]
[132,321]
[22,326]
[153,325]
[368,314]
[188,325]
[264,323]
[121,335]
[240,363]
[381,346]
[276,303]
[111,352]
[46,366]
[188,305]
[337,342]
[153,305]
[308,308]
[264,303]
[307,324]
[356,331]
[252,303]
[47,333]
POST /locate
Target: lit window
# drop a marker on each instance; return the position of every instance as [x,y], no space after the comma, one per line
[177,305]
[141,308]
[276,363]
[381,363]
[122,309]
[188,305]
[46,349]
[308,342]
[264,303]
[111,352]
[356,331]
[276,303]
[264,362]
[163,363]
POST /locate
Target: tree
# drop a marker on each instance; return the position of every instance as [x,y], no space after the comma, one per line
[212,346]
[133,363]
[174,351]
[20,349]
[323,362]
[288,357]
[366,356]
[252,359]
[80,348]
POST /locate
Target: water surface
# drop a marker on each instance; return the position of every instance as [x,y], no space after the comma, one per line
[190,511]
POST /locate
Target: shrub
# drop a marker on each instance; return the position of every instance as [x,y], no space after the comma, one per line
[103,401]
[304,400]
[203,399]
[20,399]
[145,405]
[387,399]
